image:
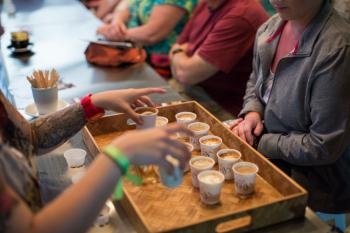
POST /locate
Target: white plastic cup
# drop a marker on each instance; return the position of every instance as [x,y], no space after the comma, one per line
[245,177]
[185,118]
[196,167]
[210,184]
[75,157]
[190,148]
[161,121]
[210,145]
[199,130]
[226,163]
[46,99]
[148,115]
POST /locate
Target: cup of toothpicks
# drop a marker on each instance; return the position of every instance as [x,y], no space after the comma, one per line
[44,89]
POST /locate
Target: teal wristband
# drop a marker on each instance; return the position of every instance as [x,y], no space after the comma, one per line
[117,156]
[123,163]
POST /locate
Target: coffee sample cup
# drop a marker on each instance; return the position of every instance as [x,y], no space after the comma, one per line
[161,121]
[19,39]
[245,177]
[227,158]
[199,164]
[190,148]
[149,117]
[185,118]
[210,184]
[199,130]
[210,145]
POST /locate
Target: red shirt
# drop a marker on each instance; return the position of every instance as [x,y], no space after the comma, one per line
[224,37]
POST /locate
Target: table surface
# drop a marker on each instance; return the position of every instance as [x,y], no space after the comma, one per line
[57,28]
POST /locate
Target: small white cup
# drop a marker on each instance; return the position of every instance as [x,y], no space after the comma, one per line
[149,116]
[210,184]
[245,177]
[185,118]
[208,148]
[75,157]
[105,214]
[226,163]
[203,130]
[46,99]
[190,148]
[161,121]
[196,167]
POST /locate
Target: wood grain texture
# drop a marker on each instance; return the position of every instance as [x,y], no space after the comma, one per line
[155,208]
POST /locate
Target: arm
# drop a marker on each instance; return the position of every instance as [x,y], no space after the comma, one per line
[52,130]
[76,208]
[191,70]
[163,16]
[228,41]
[328,134]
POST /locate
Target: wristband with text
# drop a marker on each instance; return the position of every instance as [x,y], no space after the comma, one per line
[123,163]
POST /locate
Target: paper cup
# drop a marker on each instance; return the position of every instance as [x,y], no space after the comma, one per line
[245,177]
[75,157]
[199,164]
[190,148]
[210,184]
[210,145]
[199,130]
[46,99]
[149,116]
[185,118]
[227,158]
[161,121]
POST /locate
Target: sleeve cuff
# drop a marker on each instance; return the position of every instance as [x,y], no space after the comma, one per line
[268,145]
[252,106]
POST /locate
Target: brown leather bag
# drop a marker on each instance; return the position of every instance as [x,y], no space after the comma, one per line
[109,56]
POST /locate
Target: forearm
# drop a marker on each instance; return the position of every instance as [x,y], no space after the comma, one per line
[302,149]
[186,71]
[145,35]
[121,14]
[52,130]
[74,210]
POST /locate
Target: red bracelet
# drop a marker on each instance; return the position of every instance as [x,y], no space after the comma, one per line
[91,111]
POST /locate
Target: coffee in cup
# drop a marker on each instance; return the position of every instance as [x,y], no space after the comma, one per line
[185,118]
[245,177]
[199,130]
[209,145]
[199,164]
[227,158]
[149,116]
[210,184]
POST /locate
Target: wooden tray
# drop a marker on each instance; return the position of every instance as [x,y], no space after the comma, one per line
[155,208]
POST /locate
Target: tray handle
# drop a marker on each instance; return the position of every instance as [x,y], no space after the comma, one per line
[234,224]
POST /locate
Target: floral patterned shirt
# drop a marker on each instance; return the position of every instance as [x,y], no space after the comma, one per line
[140,11]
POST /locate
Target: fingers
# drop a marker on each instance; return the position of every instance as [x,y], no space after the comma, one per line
[178,150]
[133,115]
[258,130]
[146,100]
[241,132]
[178,128]
[151,90]
[235,123]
